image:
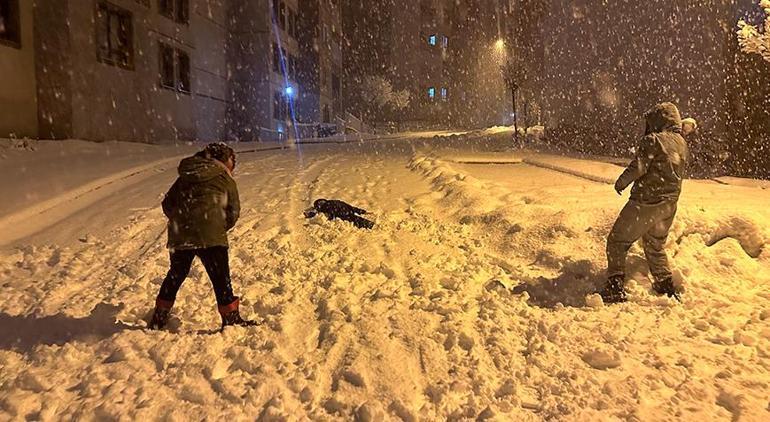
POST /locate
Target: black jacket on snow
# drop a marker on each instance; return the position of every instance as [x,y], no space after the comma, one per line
[334,208]
[658,169]
[202,204]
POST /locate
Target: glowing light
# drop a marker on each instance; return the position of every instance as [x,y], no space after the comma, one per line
[500,44]
[290,91]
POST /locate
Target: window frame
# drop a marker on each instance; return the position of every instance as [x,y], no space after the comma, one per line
[180,82]
[103,6]
[175,10]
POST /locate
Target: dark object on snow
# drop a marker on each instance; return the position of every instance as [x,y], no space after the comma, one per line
[159,318]
[666,287]
[233,317]
[614,292]
[202,205]
[657,173]
[333,208]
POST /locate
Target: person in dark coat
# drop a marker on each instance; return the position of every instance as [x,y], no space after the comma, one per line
[202,206]
[334,209]
[656,173]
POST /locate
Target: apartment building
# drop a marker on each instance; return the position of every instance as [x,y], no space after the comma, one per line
[18,87]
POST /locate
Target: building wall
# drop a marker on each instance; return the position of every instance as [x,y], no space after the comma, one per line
[17,84]
[83,98]
[254,82]
[209,72]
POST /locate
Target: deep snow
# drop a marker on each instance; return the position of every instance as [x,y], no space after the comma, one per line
[470,299]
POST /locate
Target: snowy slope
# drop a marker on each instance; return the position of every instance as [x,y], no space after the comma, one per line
[468,300]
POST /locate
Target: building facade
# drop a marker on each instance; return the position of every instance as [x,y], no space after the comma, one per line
[131,70]
[321,50]
[161,70]
[18,87]
[406,43]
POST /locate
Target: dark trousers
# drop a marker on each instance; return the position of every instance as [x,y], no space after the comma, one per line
[651,223]
[358,221]
[216,262]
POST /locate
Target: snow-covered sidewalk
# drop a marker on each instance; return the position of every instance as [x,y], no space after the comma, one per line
[467,300]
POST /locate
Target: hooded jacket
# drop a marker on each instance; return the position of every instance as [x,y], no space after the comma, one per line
[202,204]
[658,169]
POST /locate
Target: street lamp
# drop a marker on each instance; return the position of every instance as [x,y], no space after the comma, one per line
[289,91]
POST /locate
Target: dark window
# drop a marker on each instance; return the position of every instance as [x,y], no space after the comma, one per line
[177,10]
[276,105]
[10,26]
[183,71]
[276,59]
[114,36]
[327,115]
[282,15]
[335,86]
[167,72]
[183,11]
[166,8]
[175,69]
[292,68]
[280,109]
[292,24]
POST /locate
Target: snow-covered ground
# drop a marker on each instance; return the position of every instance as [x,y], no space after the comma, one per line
[469,300]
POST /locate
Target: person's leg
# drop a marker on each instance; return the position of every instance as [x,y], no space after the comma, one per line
[654,242]
[181,260]
[360,222]
[216,260]
[180,267]
[632,223]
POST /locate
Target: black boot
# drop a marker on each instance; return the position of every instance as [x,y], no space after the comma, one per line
[666,287]
[613,292]
[159,318]
[161,314]
[232,316]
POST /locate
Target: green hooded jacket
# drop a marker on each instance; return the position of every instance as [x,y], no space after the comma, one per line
[658,169]
[202,204]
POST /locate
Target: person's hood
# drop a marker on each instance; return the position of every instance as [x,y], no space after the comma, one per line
[663,117]
[200,169]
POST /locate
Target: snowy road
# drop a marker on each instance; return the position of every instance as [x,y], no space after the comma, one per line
[410,321]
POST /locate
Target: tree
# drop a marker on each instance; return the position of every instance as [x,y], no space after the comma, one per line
[514,75]
[400,101]
[754,40]
[377,92]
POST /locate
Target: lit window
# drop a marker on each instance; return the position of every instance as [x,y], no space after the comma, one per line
[444,93]
[445,41]
[432,39]
[431,93]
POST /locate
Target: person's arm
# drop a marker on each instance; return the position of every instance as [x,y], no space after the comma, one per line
[233,208]
[640,164]
[169,203]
